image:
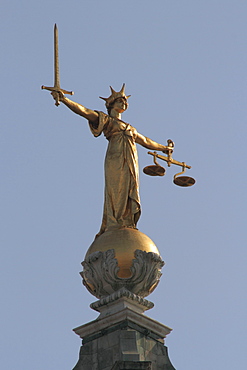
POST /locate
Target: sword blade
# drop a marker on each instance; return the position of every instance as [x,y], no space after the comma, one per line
[56,86]
[56,59]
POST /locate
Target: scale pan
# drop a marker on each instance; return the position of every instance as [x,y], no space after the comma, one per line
[184,181]
[154,170]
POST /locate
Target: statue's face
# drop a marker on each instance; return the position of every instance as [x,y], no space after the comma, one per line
[120,105]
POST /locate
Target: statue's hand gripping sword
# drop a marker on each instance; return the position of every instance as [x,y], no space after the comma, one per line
[56,86]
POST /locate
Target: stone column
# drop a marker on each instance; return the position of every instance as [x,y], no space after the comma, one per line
[122,337]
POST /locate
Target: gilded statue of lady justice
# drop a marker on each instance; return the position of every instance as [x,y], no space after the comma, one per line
[122,201]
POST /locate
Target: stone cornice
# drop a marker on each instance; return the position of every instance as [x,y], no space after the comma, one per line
[109,321]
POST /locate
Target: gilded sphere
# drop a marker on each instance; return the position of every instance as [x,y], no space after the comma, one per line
[125,242]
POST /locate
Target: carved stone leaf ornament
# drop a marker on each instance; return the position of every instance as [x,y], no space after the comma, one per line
[146,271]
[100,273]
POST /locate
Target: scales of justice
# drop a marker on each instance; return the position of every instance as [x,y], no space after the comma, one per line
[123,265]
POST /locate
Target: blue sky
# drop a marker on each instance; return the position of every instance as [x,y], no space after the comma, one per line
[184,64]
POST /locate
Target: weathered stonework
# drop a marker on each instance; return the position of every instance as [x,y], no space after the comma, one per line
[130,299]
[131,365]
[123,337]
[126,342]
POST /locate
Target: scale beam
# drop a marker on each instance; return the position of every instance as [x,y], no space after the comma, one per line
[169,160]
[158,170]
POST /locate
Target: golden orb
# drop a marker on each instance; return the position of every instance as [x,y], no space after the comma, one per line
[125,242]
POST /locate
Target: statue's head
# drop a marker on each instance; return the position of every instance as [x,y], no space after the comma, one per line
[117,99]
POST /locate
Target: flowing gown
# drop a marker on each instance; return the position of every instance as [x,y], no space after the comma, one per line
[122,201]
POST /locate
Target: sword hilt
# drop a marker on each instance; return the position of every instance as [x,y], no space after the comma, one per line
[57,89]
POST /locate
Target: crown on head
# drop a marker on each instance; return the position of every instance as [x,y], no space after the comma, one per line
[114,95]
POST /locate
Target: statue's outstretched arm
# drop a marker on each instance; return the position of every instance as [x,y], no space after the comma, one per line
[89,114]
[150,144]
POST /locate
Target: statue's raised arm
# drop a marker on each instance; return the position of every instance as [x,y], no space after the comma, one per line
[89,114]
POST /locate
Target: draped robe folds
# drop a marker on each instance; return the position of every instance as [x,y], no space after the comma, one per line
[122,201]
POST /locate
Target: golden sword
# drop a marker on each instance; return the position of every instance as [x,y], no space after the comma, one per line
[56,86]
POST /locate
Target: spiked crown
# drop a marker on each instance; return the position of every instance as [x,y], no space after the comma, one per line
[114,95]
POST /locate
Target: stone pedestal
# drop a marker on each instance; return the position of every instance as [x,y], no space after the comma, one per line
[122,337]
[121,268]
